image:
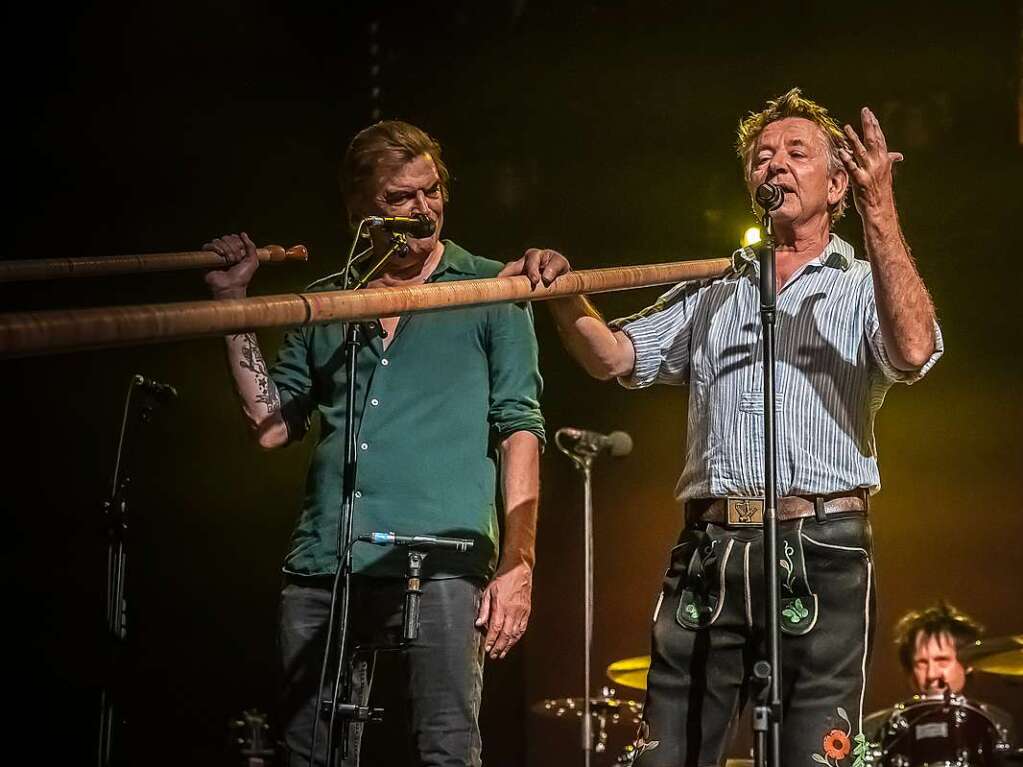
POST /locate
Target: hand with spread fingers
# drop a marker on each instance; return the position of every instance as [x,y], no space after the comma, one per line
[869,164]
[504,608]
[539,265]
[240,262]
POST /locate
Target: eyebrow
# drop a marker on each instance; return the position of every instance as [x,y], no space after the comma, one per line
[408,189]
[789,142]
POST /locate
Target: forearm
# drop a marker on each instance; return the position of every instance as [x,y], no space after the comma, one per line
[603,353]
[904,307]
[520,477]
[260,399]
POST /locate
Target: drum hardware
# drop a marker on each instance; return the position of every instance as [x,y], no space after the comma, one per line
[606,710]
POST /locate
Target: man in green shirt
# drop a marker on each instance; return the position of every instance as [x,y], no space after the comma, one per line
[444,399]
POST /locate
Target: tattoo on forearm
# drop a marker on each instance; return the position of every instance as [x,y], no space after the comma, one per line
[252,360]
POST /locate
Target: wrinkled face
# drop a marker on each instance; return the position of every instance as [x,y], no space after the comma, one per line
[405,190]
[936,665]
[793,154]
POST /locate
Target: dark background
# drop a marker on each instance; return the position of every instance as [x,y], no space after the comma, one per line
[603,129]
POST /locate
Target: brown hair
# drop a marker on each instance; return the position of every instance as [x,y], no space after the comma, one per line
[941,619]
[390,142]
[793,104]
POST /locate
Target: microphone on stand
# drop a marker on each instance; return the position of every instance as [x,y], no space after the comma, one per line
[417,541]
[416,226]
[769,196]
[163,392]
[617,443]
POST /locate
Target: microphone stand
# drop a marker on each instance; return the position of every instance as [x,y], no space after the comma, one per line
[767,672]
[582,458]
[413,595]
[115,508]
[340,703]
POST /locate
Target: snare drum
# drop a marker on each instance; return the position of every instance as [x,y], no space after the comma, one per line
[940,731]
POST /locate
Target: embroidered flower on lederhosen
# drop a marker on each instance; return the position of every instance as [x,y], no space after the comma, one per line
[642,742]
[836,745]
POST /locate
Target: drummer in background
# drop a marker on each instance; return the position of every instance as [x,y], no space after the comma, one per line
[929,642]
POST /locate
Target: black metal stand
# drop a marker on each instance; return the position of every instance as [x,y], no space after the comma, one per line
[767,673]
[115,508]
[340,704]
[582,458]
[413,595]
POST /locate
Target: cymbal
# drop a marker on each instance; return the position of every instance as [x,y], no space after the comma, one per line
[998,655]
[614,710]
[630,672]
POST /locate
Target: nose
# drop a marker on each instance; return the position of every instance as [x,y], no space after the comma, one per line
[775,166]
[420,206]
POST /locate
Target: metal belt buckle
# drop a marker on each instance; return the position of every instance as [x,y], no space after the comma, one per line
[746,511]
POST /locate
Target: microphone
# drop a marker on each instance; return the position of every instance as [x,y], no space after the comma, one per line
[769,196]
[163,392]
[417,226]
[417,541]
[618,443]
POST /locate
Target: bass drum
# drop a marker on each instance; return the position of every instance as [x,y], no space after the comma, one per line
[940,731]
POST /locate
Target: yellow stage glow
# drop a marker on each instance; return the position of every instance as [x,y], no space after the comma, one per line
[751,237]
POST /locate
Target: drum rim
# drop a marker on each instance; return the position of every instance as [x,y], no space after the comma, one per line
[938,699]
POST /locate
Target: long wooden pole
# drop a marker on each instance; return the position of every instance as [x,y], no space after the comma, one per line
[24,334]
[31,269]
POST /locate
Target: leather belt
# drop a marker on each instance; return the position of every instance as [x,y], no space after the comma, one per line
[739,511]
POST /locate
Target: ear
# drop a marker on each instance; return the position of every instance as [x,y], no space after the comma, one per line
[838,183]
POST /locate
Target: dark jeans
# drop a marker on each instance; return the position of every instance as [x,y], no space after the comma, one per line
[708,631]
[443,668]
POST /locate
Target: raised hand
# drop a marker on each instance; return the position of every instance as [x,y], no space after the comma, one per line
[240,261]
[869,164]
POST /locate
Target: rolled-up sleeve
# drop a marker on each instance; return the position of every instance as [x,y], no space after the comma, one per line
[515,382]
[875,339]
[660,336]
[293,377]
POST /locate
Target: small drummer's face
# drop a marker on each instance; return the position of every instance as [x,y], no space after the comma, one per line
[936,665]
[407,190]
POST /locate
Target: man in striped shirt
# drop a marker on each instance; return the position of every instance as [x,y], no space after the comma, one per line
[847,330]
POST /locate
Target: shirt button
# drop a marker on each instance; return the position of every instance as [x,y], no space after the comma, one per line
[358,494]
[374,402]
[364,446]
[384,362]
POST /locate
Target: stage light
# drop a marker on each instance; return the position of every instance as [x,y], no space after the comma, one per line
[751,236]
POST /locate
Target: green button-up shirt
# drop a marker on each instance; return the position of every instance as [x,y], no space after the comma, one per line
[429,410]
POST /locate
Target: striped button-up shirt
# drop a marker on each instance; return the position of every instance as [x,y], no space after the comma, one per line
[832,375]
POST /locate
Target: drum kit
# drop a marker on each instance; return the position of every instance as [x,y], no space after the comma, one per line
[942,730]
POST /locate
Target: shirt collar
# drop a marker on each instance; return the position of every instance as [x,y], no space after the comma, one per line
[454,259]
[838,254]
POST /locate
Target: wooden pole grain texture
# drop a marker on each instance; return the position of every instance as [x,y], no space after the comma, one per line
[36,269]
[24,334]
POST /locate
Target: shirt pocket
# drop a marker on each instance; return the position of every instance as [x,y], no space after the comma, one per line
[752,401]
